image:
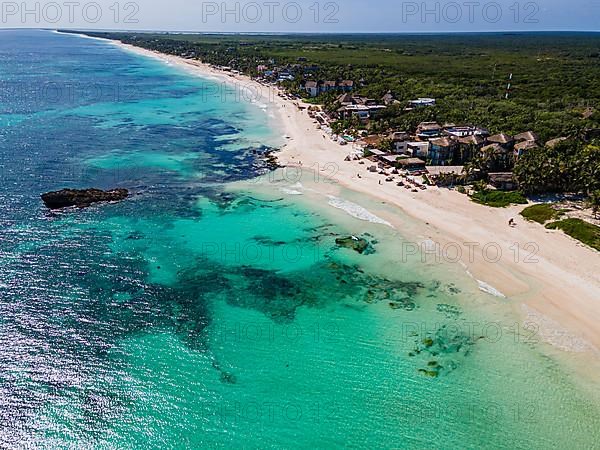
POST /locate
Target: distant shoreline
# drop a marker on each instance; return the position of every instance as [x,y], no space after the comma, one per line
[561,286]
[336,33]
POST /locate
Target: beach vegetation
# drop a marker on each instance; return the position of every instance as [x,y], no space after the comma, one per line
[581,230]
[385,145]
[498,199]
[480,185]
[594,202]
[541,213]
[570,166]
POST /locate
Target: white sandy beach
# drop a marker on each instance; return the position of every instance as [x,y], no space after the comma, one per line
[558,288]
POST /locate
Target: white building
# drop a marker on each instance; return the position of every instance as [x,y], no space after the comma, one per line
[422,101]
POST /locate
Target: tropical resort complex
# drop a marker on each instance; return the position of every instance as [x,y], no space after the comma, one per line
[402,118]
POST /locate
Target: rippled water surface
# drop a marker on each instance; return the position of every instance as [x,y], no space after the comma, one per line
[209,310]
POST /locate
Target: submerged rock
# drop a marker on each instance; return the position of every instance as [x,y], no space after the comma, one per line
[352,242]
[450,311]
[448,345]
[405,304]
[81,197]
[429,373]
[228,378]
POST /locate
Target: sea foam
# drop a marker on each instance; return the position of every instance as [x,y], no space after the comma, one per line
[356,211]
[295,189]
[290,191]
[483,286]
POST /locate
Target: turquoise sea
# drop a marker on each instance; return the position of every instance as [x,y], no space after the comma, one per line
[213,309]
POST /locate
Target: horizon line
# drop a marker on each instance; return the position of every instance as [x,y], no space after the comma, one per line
[289,33]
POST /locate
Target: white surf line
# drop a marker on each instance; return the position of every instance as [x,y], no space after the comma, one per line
[85,36]
[356,211]
[294,189]
[483,286]
[290,191]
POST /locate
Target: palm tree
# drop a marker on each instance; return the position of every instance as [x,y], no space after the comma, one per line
[594,202]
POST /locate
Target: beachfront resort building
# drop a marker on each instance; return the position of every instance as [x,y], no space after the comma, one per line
[419,149]
[428,130]
[314,88]
[468,147]
[353,106]
[522,147]
[400,140]
[445,175]
[412,164]
[503,181]
[524,142]
[442,150]
[528,136]
[503,140]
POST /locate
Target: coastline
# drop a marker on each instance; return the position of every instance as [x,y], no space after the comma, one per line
[556,288]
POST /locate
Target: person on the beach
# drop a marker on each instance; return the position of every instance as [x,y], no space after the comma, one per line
[511,222]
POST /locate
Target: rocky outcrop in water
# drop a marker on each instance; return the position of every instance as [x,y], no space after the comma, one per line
[81,197]
[265,160]
[357,244]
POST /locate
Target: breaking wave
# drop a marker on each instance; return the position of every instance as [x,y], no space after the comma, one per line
[356,211]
